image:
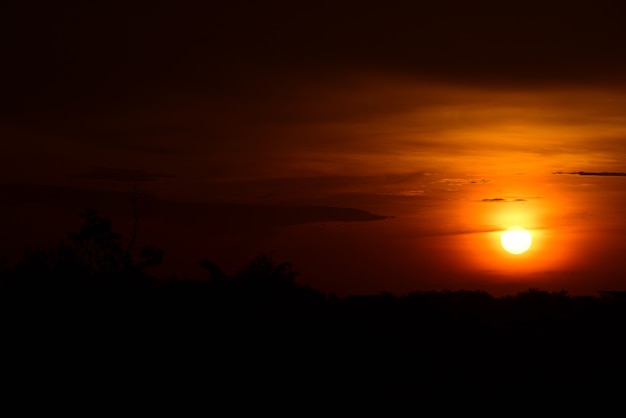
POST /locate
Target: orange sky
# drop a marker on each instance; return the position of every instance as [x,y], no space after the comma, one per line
[453,121]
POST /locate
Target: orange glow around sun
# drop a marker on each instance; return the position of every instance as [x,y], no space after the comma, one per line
[517,235]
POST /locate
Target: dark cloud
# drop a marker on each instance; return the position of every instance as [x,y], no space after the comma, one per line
[215,217]
[298,187]
[500,199]
[593,173]
[121,174]
[459,181]
[279,215]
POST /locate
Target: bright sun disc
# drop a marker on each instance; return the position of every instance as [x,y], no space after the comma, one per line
[516,240]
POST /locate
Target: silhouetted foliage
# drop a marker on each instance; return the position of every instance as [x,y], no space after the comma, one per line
[94,255]
[263,268]
[150,256]
[215,273]
[262,316]
[98,246]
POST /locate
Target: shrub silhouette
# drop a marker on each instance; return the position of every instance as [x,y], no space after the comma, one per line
[263,268]
[215,273]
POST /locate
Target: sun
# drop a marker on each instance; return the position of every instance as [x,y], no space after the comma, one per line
[516,240]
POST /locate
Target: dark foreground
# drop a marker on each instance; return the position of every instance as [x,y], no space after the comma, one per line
[212,340]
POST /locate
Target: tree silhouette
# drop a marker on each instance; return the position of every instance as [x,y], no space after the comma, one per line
[100,250]
[93,255]
[98,246]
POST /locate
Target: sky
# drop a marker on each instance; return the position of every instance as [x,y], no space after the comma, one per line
[375,146]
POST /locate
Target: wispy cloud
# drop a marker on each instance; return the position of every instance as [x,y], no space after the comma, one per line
[410,193]
[212,217]
[593,173]
[501,200]
[459,182]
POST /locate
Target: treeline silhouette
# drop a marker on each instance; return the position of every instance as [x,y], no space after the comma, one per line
[260,322]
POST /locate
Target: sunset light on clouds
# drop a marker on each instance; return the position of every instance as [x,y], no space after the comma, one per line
[374,149]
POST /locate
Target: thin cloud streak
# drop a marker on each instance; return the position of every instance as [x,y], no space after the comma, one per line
[591,173]
[501,200]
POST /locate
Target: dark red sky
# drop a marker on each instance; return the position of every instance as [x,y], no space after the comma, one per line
[300,129]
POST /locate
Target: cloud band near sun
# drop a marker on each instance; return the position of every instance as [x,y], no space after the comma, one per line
[593,173]
[501,200]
